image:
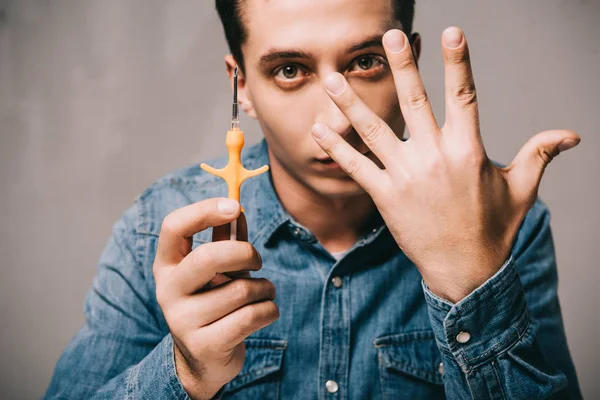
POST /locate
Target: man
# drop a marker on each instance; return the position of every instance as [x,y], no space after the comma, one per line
[404,268]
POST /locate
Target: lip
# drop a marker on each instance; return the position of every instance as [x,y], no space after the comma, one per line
[329,160]
[329,164]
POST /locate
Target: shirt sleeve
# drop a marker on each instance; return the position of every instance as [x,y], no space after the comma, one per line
[506,339]
[121,352]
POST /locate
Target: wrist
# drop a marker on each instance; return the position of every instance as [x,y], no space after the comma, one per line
[461,280]
[196,386]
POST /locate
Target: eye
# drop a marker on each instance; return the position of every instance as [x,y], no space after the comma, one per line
[289,71]
[290,76]
[367,65]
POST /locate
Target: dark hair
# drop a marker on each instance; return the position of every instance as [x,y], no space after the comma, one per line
[230,12]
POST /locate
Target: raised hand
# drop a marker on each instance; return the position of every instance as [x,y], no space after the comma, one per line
[450,209]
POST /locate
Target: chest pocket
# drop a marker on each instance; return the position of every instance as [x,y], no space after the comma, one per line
[410,366]
[261,374]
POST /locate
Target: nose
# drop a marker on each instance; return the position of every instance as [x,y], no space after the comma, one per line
[331,115]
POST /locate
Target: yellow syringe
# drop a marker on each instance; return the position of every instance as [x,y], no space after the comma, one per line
[234,172]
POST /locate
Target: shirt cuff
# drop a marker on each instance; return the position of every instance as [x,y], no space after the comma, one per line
[176,385]
[485,323]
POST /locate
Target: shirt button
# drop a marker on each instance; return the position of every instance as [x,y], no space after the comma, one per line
[337,281]
[297,231]
[463,337]
[331,386]
[441,368]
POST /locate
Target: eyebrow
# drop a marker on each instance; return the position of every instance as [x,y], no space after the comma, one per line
[373,41]
[273,55]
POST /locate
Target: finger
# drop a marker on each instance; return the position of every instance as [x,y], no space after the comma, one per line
[218,280]
[413,98]
[374,131]
[207,260]
[221,232]
[207,307]
[461,96]
[175,240]
[232,329]
[526,170]
[356,165]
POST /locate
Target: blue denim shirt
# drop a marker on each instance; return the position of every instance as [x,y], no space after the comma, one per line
[365,322]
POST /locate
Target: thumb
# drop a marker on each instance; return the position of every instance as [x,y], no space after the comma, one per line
[526,170]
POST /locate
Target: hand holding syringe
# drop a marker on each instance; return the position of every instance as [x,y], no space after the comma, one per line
[233,305]
[234,172]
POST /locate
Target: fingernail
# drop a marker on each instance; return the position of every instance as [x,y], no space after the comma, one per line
[567,144]
[334,84]
[394,40]
[319,130]
[227,206]
[452,37]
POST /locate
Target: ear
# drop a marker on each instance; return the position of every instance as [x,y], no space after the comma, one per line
[415,43]
[243,95]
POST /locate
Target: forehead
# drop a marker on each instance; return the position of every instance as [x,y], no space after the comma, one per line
[312,24]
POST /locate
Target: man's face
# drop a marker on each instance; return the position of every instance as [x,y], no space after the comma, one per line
[292,45]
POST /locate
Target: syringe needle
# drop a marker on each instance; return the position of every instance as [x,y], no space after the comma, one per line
[235,114]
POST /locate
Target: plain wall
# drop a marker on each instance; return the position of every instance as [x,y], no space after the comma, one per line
[100,98]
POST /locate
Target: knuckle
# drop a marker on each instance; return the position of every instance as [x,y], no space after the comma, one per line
[273,310]
[267,288]
[465,95]
[243,289]
[271,288]
[200,256]
[348,100]
[250,256]
[545,155]
[169,224]
[404,62]
[467,154]
[373,132]
[435,166]
[458,56]
[473,161]
[417,101]
[162,297]
[249,251]
[252,315]
[353,167]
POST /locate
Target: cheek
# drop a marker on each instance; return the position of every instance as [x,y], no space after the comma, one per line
[382,99]
[286,119]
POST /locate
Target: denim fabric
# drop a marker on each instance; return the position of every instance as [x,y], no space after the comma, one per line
[381,334]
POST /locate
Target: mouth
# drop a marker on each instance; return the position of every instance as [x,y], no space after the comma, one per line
[329,160]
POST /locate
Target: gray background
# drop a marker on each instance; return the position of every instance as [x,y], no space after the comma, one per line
[100,98]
